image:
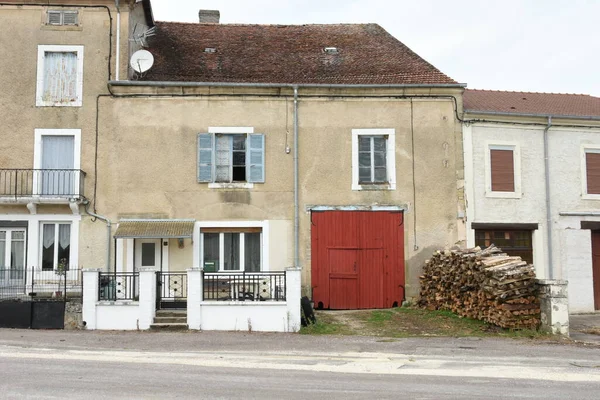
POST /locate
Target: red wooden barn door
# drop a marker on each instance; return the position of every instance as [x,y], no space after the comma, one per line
[596,267]
[343,279]
[357,259]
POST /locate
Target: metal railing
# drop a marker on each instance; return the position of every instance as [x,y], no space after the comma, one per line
[118,286]
[171,288]
[41,182]
[244,286]
[35,282]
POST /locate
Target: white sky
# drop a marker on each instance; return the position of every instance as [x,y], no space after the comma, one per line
[527,45]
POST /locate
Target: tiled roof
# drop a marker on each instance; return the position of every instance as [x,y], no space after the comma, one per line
[367,54]
[155,228]
[580,105]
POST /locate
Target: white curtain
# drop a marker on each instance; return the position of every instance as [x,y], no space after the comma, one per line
[60,76]
[2,251]
[222,158]
[48,236]
[64,236]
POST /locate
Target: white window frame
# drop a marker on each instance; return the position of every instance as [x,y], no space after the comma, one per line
[587,148]
[73,242]
[390,133]
[42,49]
[264,242]
[500,145]
[37,150]
[231,130]
[8,242]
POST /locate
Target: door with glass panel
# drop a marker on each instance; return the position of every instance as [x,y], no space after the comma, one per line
[56,246]
[12,254]
[57,166]
[147,254]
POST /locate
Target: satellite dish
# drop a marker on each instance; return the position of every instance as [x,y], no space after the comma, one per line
[141,61]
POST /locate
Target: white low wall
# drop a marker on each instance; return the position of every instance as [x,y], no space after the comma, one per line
[118,315]
[259,316]
[242,316]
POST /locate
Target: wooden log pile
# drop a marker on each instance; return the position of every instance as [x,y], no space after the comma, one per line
[484,284]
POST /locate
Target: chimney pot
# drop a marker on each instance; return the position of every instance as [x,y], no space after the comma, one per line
[209,16]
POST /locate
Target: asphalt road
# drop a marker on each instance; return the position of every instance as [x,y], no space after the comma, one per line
[103,365]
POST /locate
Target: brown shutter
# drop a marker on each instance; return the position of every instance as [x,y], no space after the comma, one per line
[503,171]
[592,166]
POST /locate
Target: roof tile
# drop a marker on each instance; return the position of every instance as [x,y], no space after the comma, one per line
[367,54]
[579,105]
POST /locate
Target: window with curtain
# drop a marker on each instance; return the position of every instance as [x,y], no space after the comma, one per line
[372,164]
[56,245]
[228,250]
[230,158]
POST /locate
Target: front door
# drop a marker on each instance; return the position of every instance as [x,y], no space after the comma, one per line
[147,254]
[58,163]
[12,254]
[343,279]
[596,267]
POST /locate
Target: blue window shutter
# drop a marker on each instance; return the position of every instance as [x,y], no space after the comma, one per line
[256,158]
[205,157]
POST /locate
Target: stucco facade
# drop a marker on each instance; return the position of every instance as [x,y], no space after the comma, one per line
[568,203]
[26,34]
[137,149]
[148,151]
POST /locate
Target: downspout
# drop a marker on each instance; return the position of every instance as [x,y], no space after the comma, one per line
[86,204]
[118,55]
[296,203]
[550,274]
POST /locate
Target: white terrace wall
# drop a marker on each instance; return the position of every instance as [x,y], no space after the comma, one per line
[281,316]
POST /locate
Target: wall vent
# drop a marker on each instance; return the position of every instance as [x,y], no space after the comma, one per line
[63,17]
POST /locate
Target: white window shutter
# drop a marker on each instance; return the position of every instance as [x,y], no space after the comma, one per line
[205,157]
[54,18]
[256,158]
[70,17]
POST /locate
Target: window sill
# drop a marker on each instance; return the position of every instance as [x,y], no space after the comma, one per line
[503,195]
[374,187]
[236,185]
[590,196]
[53,104]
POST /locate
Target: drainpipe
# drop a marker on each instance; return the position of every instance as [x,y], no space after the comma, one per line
[548,210]
[108,231]
[118,57]
[296,203]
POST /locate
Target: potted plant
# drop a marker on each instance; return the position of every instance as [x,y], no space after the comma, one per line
[61,271]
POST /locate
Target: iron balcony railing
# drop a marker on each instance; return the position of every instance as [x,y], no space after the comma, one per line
[45,183]
[244,286]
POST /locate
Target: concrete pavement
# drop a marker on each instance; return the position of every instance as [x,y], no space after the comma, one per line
[87,364]
[585,327]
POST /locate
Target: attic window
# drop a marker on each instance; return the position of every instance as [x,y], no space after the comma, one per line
[331,50]
[63,17]
[210,50]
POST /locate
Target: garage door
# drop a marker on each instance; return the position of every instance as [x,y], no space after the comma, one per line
[357,259]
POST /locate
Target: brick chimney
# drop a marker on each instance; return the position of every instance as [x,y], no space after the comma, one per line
[209,16]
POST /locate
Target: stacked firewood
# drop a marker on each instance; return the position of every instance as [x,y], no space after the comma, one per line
[483,284]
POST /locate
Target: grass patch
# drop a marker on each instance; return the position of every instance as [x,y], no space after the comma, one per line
[326,325]
[408,322]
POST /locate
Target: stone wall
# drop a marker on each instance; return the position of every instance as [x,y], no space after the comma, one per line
[73,318]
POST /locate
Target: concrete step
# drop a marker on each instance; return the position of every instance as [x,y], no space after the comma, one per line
[170,320]
[172,313]
[169,327]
